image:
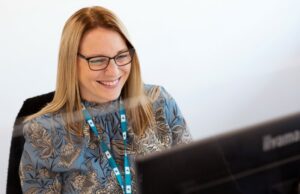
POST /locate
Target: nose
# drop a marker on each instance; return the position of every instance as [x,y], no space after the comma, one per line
[112,68]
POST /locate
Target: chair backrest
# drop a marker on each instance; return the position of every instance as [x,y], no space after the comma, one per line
[30,106]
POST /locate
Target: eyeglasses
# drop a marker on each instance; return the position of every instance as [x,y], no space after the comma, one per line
[97,63]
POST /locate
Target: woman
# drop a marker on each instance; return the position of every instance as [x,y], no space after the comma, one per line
[84,141]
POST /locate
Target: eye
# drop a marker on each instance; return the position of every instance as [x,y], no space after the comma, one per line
[123,56]
[98,61]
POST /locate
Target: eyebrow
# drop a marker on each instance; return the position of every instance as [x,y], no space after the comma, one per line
[101,55]
[123,50]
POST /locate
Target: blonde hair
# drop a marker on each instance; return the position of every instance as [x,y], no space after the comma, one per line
[67,94]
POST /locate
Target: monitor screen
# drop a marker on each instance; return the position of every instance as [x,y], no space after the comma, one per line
[261,159]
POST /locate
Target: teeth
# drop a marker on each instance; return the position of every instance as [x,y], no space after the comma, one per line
[110,83]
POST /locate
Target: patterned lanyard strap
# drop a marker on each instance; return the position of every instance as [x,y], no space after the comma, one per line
[108,154]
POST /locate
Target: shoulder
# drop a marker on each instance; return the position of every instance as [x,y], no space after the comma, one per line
[44,135]
[161,100]
[156,93]
[43,124]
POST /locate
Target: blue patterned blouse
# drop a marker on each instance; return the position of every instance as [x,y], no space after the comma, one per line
[55,161]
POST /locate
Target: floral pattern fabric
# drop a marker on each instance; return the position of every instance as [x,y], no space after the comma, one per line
[56,161]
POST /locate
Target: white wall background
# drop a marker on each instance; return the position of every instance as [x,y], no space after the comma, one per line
[227,63]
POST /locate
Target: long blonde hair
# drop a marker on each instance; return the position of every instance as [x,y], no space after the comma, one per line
[67,94]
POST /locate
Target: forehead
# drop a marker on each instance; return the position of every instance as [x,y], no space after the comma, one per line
[101,41]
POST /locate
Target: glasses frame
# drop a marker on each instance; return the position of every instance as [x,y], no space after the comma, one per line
[130,50]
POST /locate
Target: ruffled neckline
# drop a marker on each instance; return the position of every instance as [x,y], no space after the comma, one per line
[111,106]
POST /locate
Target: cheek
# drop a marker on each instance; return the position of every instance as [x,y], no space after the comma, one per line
[85,74]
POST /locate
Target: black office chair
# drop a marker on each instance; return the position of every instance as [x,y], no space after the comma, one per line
[30,106]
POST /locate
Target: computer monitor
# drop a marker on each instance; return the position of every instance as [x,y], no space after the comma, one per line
[261,159]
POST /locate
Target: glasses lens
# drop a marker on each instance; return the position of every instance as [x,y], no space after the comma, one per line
[98,63]
[123,58]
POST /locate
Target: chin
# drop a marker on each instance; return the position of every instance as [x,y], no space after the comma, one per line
[110,97]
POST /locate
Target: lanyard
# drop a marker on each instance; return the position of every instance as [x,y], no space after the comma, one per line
[108,155]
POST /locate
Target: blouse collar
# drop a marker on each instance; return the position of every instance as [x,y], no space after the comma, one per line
[112,106]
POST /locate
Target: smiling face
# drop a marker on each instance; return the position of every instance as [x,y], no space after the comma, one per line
[104,85]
